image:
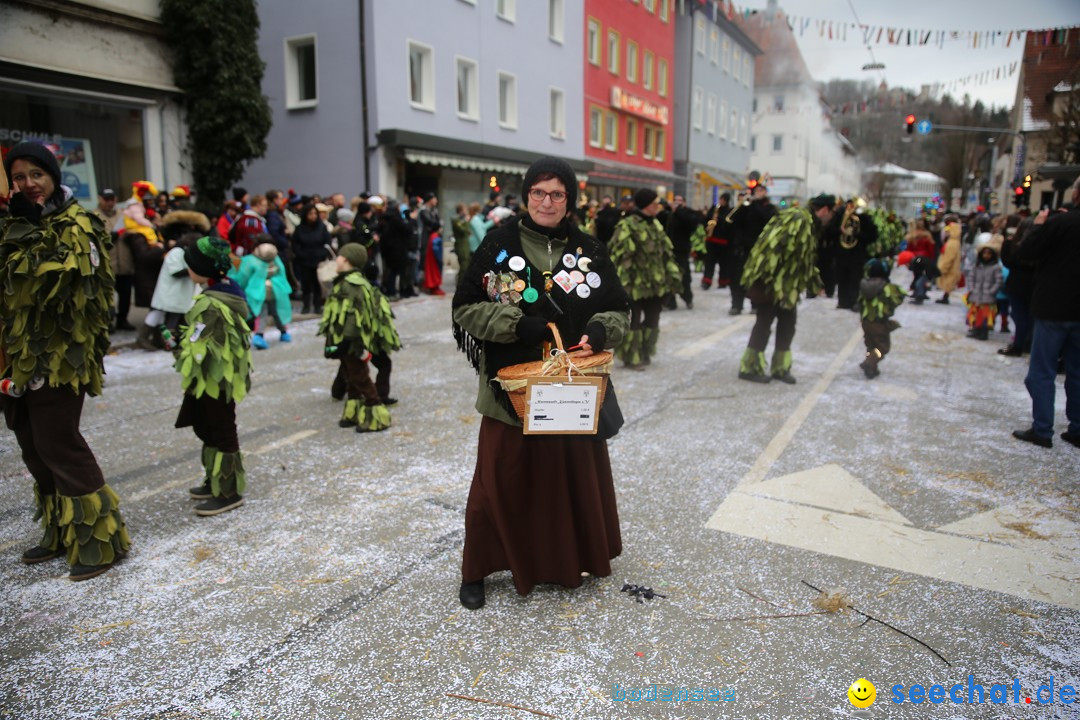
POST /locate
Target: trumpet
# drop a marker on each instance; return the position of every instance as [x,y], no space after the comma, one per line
[745,203]
[851,224]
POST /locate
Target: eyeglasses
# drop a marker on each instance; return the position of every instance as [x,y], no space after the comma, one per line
[558,197]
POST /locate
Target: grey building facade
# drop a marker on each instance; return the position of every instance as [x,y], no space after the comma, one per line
[714,95]
[404,98]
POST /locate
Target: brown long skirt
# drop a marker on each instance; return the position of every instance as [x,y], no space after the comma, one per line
[540,506]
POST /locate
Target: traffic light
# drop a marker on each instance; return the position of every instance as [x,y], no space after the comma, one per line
[1019,196]
[909,121]
[753,179]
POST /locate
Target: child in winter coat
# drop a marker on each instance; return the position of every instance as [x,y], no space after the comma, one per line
[985,281]
[878,300]
[262,277]
[172,298]
[359,328]
[214,360]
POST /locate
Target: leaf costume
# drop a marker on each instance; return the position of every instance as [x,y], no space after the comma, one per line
[57,294]
[879,304]
[215,348]
[783,260]
[357,320]
[644,258]
[358,313]
[878,300]
[890,233]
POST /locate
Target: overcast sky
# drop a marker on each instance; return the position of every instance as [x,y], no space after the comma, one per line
[915,66]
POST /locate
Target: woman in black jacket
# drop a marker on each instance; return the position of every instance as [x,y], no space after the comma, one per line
[311,245]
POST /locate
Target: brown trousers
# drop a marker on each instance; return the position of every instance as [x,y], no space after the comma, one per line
[46,425]
[876,337]
[214,421]
[358,385]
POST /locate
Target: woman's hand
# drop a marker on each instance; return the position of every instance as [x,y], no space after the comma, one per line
[585,349]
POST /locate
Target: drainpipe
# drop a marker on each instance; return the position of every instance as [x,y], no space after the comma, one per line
[364,95]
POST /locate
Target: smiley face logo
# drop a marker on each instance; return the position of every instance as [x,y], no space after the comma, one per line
[862,693]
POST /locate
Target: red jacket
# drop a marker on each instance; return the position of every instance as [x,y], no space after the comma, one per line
[922,245]
[243,232]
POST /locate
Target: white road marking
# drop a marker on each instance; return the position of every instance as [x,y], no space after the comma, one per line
[699,346]
[1032,573]
[787,431]
[275,445]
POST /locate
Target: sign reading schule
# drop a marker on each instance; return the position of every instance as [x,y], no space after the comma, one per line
[638,106]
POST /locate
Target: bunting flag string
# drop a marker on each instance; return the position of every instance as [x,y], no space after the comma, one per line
[836,30]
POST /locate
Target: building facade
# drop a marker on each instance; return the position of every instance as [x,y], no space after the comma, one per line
[99,92]
[369,95]
[900,190]
[629,87]
[793,139]
[714,93]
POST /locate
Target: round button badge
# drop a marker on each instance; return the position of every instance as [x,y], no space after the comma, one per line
[517,263]
[593,280]
[569,260]
[583,291]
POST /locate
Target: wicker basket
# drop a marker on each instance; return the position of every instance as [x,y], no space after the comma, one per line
[514,378]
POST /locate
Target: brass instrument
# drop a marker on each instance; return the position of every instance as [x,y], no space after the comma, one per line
[745,203]
[851,225]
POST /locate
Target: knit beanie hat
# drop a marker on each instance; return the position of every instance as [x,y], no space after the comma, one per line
[355,253]
[346,215]
[556,167]
[644,197]
[36,153]
[208,257]
[877,268]
[823,200]
[238,193]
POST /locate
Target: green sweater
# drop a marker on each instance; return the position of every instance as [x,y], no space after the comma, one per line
[496,322]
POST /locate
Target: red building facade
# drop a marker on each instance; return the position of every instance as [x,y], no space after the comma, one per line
[629,87]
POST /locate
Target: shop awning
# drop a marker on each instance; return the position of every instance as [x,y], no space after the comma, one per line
[461,162]
[720,179]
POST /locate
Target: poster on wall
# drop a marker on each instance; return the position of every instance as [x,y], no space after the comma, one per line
[76,161]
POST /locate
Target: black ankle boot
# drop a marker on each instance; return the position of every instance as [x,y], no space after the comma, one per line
[471,594]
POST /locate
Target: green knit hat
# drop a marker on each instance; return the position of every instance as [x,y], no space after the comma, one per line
[355,253]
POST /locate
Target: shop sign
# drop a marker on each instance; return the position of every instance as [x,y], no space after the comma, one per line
[635,105]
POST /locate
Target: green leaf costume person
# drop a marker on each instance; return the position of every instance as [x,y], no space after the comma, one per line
[878,300]
[56,293]
[891,232]
[645,263]
[781,266]
[214,362]
[357,321]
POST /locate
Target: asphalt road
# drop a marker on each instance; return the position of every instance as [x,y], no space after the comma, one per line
[333,592]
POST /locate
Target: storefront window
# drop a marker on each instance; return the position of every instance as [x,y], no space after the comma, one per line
[98,145]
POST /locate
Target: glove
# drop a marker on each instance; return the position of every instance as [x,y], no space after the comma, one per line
[21,207]
[533,330]
[597,336]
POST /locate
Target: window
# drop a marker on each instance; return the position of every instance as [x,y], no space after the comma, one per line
[593,40]
[649,5]
[468,89]
[733,129]
[650,143]
[714,46]
[747,73]
[613,51]
[301,78]
[754,106]
[726,52]
[778,103]
[506,10]
[698,108]
[753,143]
[611,131]
[710,115]
[647,70]
[555,20]
[736,62]
[596,131]
[723,114]
[507,100]
[699,35]
[661,81]
[631,61]
[663,10]
[558,114]
[631,136]
[421,76]
[742,130]
[659,154]
[778,143]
